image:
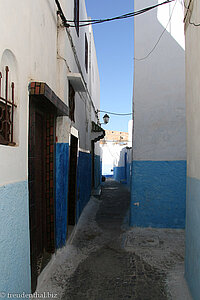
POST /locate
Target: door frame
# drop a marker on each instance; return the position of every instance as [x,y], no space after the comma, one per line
[72,180]
[36,105]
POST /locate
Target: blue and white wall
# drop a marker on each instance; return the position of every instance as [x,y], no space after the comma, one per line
[192,261]
[122,166]
[61,180]
[38,26]
[112,166]
[159,131]
[122,170]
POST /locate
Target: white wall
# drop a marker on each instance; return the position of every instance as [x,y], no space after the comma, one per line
[192,92]
[111,157]
[29,36]
[159,87]
[175,26]
[94,73]
[83,101]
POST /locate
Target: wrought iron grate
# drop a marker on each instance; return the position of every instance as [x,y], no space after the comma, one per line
[7,111]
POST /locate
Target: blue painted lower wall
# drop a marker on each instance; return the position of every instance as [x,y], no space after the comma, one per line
[62,166]
[119,174]
[192,252]
[15,274]
[158,194]
[84,175]
[128,175]
[123,175]
[108,176]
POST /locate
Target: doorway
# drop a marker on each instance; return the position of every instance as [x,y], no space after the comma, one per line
[93,162]
[72,183]
[41,185]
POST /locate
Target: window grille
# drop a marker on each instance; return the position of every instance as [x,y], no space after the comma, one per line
[71,103]
[6,111]
[86,53]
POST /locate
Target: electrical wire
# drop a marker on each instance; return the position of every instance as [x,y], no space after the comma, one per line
[156,44]
[124,16]
[117,114]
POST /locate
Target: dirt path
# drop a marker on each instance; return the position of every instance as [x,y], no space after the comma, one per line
[106,260]
[110,272]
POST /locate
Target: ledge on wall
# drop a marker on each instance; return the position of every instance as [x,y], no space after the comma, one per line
[76,81]
[97,133]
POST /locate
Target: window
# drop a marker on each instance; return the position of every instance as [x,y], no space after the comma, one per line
[71,102]
[6,111]
[76,15]
[86,53]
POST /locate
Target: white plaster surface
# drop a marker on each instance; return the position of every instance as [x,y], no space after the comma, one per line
[192,35]
[111,157]
[175,27]
[130,133]
[159,89]
[37,49]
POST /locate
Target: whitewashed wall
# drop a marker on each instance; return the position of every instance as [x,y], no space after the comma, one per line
[37,48]
[24,38]
[31,39]
[91,79]
[111,157]
[159,127]
[159,85]
[192,35]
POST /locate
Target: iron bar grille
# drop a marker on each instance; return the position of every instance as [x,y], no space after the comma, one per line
[7,111]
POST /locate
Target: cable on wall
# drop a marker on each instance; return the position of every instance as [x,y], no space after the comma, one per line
[64,22]
[156,44]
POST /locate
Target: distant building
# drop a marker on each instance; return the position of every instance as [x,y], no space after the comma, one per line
[49,133]
[115,162]
[159,130]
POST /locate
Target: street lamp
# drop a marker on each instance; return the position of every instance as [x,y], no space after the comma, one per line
[106,119]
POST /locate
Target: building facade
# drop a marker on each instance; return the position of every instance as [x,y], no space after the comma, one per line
[116,155]
[159,147]
[49,132]
[192,263]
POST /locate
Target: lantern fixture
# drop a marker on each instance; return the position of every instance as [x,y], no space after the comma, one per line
[106,119]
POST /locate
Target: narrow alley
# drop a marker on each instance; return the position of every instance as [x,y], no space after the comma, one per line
[100,90]
[105,260]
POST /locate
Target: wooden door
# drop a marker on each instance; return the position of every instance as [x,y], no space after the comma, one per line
[40,189]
